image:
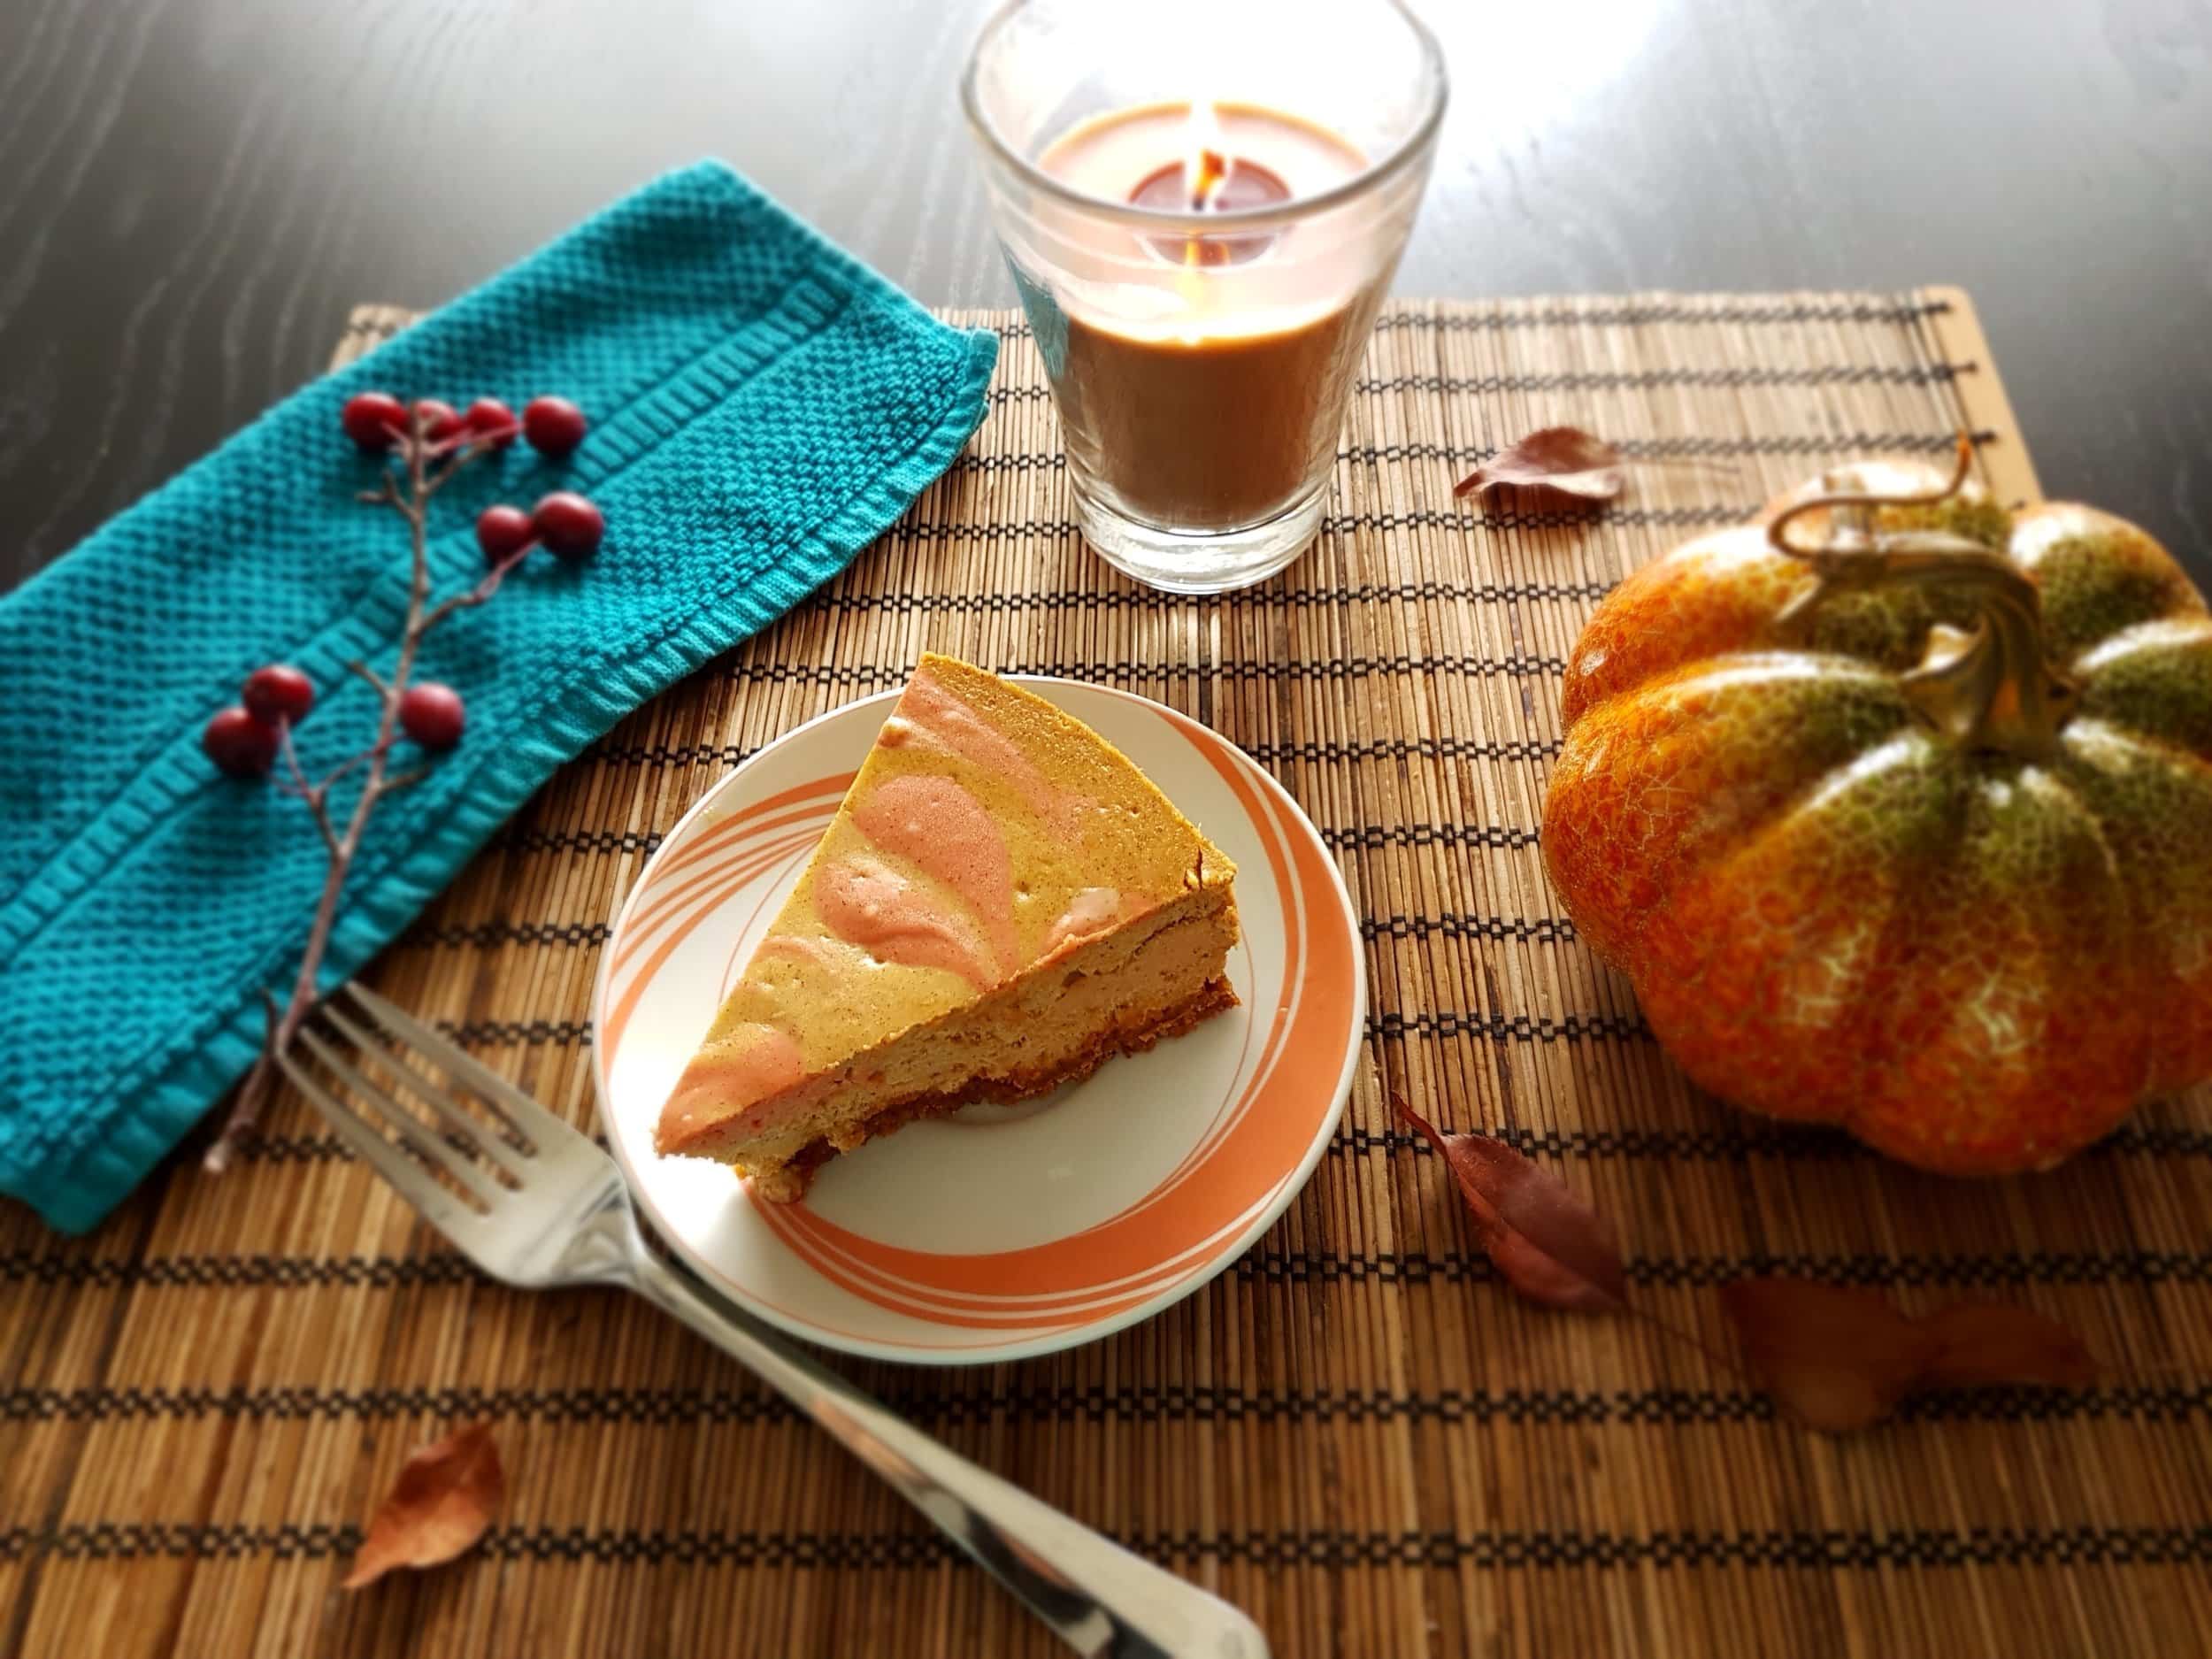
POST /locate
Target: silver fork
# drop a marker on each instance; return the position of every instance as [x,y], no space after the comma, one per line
[539,1206]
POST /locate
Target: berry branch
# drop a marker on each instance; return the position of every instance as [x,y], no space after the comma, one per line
[434,445]
[316,796]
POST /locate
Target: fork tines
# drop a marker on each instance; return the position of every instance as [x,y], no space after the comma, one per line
[416,1105]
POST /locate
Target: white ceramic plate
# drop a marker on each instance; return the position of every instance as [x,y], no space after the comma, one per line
[996,1232]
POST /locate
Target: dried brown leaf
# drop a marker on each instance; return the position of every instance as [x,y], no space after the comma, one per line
[441,1504]
[1841,1359]
[1565,458]
[1837,1358]
[1547,1243]
[1987,1344]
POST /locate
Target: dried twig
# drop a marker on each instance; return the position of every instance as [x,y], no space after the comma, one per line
[428,468]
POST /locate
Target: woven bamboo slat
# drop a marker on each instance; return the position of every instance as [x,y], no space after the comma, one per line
[1355,1433]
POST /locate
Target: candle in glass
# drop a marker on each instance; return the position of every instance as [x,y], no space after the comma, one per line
[1202,419]
[1201,275]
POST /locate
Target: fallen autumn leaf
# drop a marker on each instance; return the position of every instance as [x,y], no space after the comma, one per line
[1835,1358]
[1979,1344]
[441,1504]
[1565,458]
[1839,1358]
[1547,1243]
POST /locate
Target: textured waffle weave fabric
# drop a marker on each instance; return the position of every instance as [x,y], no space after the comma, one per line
[763,407]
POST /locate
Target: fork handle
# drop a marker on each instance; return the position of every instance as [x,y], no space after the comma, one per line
[1102,1599]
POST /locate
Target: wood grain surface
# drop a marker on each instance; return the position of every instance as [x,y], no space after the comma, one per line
[193,192]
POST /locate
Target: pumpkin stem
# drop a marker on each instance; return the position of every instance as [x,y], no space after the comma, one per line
[1996,688]
[1859,524]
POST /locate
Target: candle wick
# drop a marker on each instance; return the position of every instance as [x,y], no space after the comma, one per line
[1213,172]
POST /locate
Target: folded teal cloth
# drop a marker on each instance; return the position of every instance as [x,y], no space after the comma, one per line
[762,407]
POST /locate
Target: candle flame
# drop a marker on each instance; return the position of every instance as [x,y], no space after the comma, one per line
[1206,170]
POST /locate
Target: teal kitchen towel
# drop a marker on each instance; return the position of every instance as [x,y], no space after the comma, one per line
[762,407]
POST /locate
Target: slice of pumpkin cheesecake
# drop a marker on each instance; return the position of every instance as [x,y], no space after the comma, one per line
[1002,902]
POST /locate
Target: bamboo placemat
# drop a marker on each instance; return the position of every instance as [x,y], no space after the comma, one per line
[1357,1433]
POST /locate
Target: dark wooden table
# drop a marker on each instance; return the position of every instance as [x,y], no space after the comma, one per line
[192,192]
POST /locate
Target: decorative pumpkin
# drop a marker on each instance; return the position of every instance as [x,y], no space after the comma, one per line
[1897,811]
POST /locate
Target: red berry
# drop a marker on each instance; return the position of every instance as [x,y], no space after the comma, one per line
[438,421]
[432,714]
[279,691]
[502,530]
[240,744]
[568,523]
[553,425]
[489,415]
[374,419]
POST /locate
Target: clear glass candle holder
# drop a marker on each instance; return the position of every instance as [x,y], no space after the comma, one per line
[1203,202]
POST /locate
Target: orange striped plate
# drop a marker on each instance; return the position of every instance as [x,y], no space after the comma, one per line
[996,1232]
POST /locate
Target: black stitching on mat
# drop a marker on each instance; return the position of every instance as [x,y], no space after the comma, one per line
[266,1272]
[1394,1026]
[1375,837]
[1746,1140]
[1802,444]
[1261,598]
[282,1148]
[1406,748]
[1543,930]
[1980,1272]
[869,676]
[487,935]
[1651,379]
[614,754]
[1490,518]
[1987,1273]
[1897,313]
[567,1034]
[1621,379]
[537,840]
[1092,1402]
[1027,461]
[1864,1550]
[597,841]
[1790,1141]
[1636,448]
